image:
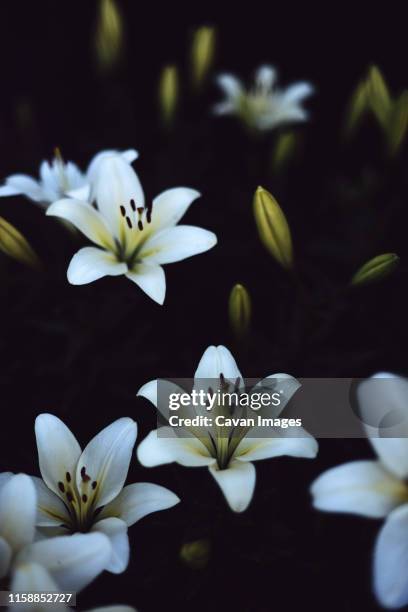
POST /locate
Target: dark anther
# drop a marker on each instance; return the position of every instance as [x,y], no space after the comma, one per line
[68,477]
[128,221]
[70,497]
[123,211]
[222,379]
[140,210]
[149,215]
[84,498]
[61,487]
[84,475]
[94,484]
[140,225]
[133,205]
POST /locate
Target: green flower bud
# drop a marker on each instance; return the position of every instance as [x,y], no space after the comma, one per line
[13,244]
[375,269]
[168,93]
[196,554]
[240,310]
[202,53]
[273,228]
[108,35]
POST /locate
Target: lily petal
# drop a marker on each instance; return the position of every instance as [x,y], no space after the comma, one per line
[231,86]
[116,530]
[138,500]
[237,483]
[166,448]
[72,561]
[5,477]
[85,218]
[170,206]
[265,77]
[22,184]
[115,185]
[58,450]
[294,94]
[217,360]
[129,156]
[391,560]
[51,510]
[359,487]
[290,442]
[91,263]
[33,578]
[151,279]
[177,243]
[106,459]
[18,504]
[5,557]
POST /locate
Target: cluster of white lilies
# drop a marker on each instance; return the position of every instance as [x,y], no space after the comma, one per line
[60,532]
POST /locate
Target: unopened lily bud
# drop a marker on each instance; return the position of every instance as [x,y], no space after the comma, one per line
[398,123]
[108,35]
[377,268]
[196,554]
[379,96]
[240,310]
[168,93]
[284,150]
[202,53]
[273,228]
[13,244]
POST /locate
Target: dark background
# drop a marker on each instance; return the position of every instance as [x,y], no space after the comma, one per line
[83,352]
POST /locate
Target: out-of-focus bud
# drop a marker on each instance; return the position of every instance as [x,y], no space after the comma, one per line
[240,310]
[196,554]
[13,244]
[108,35]
[377,268]
[273,228]
[379,96]
[398,123]
[284,150]
[358,106]
[202,53]
[168,93]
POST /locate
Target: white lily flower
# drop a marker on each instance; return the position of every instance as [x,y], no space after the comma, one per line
[264,106]
[131,239]
[83,491]
[58,179]
[65,562]
[228,458]
[377,489]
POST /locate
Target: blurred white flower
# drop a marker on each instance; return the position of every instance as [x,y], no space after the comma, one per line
[264,106]
[132,239]
[228,457]
[58,179]
[377,488]
[69,562]
[83,491]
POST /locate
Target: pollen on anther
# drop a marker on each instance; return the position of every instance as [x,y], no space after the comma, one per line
[61,487]
[128,221]
[70,497]
[94,484]
[132,205]
[84,475]
[84,498]
[149,215]
[140,225]
[123,211]
[68,477]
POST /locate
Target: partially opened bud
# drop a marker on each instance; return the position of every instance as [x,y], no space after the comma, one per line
[273,228]
[240,310]
[284,150]
[108,35]
[375,269]
[168,93]
[379,96]
[202,53]
[196,554]
[13,244]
